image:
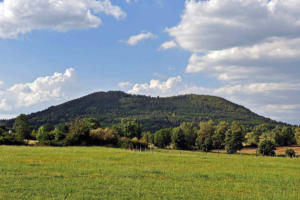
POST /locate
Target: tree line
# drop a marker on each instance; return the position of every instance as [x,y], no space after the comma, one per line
[204,136]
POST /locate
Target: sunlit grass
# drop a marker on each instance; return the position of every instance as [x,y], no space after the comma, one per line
[107,173]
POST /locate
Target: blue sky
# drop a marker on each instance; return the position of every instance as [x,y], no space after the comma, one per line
[54,51]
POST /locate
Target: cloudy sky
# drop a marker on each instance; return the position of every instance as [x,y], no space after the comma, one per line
[247,51]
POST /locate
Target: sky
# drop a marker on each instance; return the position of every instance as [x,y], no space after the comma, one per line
[247,51]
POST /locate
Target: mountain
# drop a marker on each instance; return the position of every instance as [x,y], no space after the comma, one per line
[152,112]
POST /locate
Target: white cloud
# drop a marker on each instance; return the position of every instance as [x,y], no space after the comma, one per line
[251,49]
[42,92]
[157,87]
[261,97]
[22,16]
[125,84]
[220,24]
[168,45]
[135,39]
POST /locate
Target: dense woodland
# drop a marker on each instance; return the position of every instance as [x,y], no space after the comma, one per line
[153,113]
[204,136]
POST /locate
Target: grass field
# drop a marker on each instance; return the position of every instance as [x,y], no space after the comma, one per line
[107,173]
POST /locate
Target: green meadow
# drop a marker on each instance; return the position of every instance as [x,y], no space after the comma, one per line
[108,173]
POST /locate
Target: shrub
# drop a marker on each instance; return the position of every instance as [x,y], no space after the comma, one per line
[125,143]
[290,153]
[103,136]
[267,148]
[8,139]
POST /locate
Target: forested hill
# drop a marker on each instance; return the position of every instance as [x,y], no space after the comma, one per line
[152,112]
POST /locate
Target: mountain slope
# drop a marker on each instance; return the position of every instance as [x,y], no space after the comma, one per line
[152,112]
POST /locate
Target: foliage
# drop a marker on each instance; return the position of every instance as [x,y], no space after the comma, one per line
[103,137]
[9,139]
[79,133]
[134,143]
[152,113]
[205,136]
[61,131]
[43,134]
[178,138]
[219,135]
[290,153]
[162,138]
[148,137]
[190,134]
[129,128]
[234,138]
[297,135]
[285,137]
[22,127]
[267,148]
[92,123]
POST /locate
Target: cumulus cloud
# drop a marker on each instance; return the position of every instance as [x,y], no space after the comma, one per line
[44,91]
[250,47]
[220,24]
[135,39]
[23,16]
[168,45]
[157,87]
[261,98]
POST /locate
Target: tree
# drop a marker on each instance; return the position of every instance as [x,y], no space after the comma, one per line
[162,138]
[42,134]
[205,136]
[178,138]
[92,123]
[190,134]
[288,135]
[267,148]
[252,139]
[219,135]
[234,138]
[297,135]
[284,136]
[148,137]
[130,128]
[60,131]
[79,133]
[22,127]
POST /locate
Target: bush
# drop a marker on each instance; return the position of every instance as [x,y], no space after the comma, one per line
[267,148]
[103,137]
[135,143]
[7,139]
[290,153]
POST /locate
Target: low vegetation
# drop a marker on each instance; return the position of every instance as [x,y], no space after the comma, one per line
[203,136]
[112,173]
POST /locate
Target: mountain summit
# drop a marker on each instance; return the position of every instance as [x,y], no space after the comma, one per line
[152,112]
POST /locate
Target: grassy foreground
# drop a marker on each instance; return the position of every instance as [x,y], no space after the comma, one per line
[107,173]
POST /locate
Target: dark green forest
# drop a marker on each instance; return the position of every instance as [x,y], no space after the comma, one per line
[153,113]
